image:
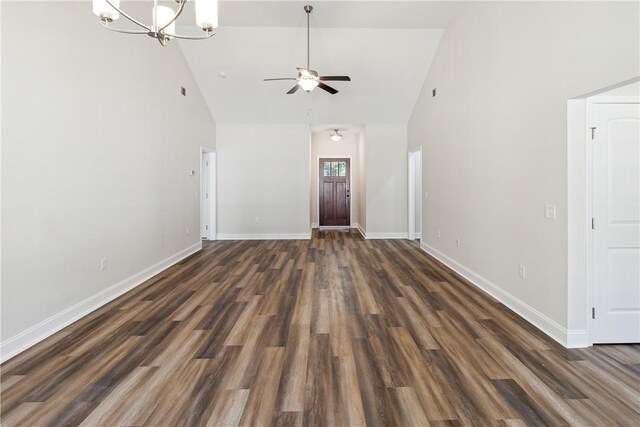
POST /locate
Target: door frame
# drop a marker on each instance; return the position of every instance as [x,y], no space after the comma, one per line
[413,176]
[577,329]
[212,233]
[589,197]
[350,191]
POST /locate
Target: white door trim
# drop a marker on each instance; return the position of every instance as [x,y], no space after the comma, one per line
[578,215]
[412,176]
[213,205]
[589,197]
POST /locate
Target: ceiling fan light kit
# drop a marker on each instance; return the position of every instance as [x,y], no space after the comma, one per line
[163,18]
[309,79]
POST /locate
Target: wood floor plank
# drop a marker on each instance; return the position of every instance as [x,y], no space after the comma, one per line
[229,408]
[332,331]
[259,408]
[294,371]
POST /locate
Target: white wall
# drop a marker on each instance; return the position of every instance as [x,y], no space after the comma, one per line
[386,180]
[97,147]
[495,139]
[323,146]
[263,172]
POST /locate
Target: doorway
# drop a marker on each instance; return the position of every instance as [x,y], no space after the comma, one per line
[334,195]
[615,221]
[208,211]
[415,194]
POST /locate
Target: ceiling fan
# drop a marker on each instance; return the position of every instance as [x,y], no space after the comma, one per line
[309,79]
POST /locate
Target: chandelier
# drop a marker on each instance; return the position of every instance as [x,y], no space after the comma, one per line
[163,19]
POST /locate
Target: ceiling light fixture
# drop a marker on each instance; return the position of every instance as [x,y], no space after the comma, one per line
[164,19]
[335,136]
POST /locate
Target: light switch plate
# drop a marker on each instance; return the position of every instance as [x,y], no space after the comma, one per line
[550,211]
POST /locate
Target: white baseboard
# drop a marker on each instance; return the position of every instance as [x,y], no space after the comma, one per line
[22,341]
[362,231]
[533,316]
[314,225]
[578,338]
[386,236]
[264,236]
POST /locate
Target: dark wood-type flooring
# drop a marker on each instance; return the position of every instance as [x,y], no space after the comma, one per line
[333,331]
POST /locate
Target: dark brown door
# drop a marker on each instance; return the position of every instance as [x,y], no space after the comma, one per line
[335,200]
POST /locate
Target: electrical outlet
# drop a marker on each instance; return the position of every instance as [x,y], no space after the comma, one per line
[550,211]
[522,271]
[257,220]
[103,263]
[426,194]
[458,242]
[188,231]
[439,234]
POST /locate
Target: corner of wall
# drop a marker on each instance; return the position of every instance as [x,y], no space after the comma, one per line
[547,325]
[33,335]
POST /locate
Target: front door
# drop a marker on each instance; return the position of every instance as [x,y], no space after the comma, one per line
[335,200]
[616,223]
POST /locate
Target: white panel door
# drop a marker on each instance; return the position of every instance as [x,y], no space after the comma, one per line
[616,226]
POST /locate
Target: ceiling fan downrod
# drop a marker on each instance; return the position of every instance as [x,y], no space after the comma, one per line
[308,9]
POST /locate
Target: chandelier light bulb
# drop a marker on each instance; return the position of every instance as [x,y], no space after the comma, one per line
[162,16]
[104,11]
[207,14]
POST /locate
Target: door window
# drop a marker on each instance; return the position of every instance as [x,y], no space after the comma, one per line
[334,168]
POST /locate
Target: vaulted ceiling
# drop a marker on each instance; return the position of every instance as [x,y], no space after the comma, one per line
[386,47]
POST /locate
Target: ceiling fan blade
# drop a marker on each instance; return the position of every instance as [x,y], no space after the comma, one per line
[293,89]
[336,78]
[280,78]
[329,89]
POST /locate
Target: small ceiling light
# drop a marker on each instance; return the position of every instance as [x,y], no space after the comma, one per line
[163,18]
[335,136]
[222,75]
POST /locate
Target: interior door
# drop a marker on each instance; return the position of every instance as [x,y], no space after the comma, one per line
[616,223]
[334,193]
